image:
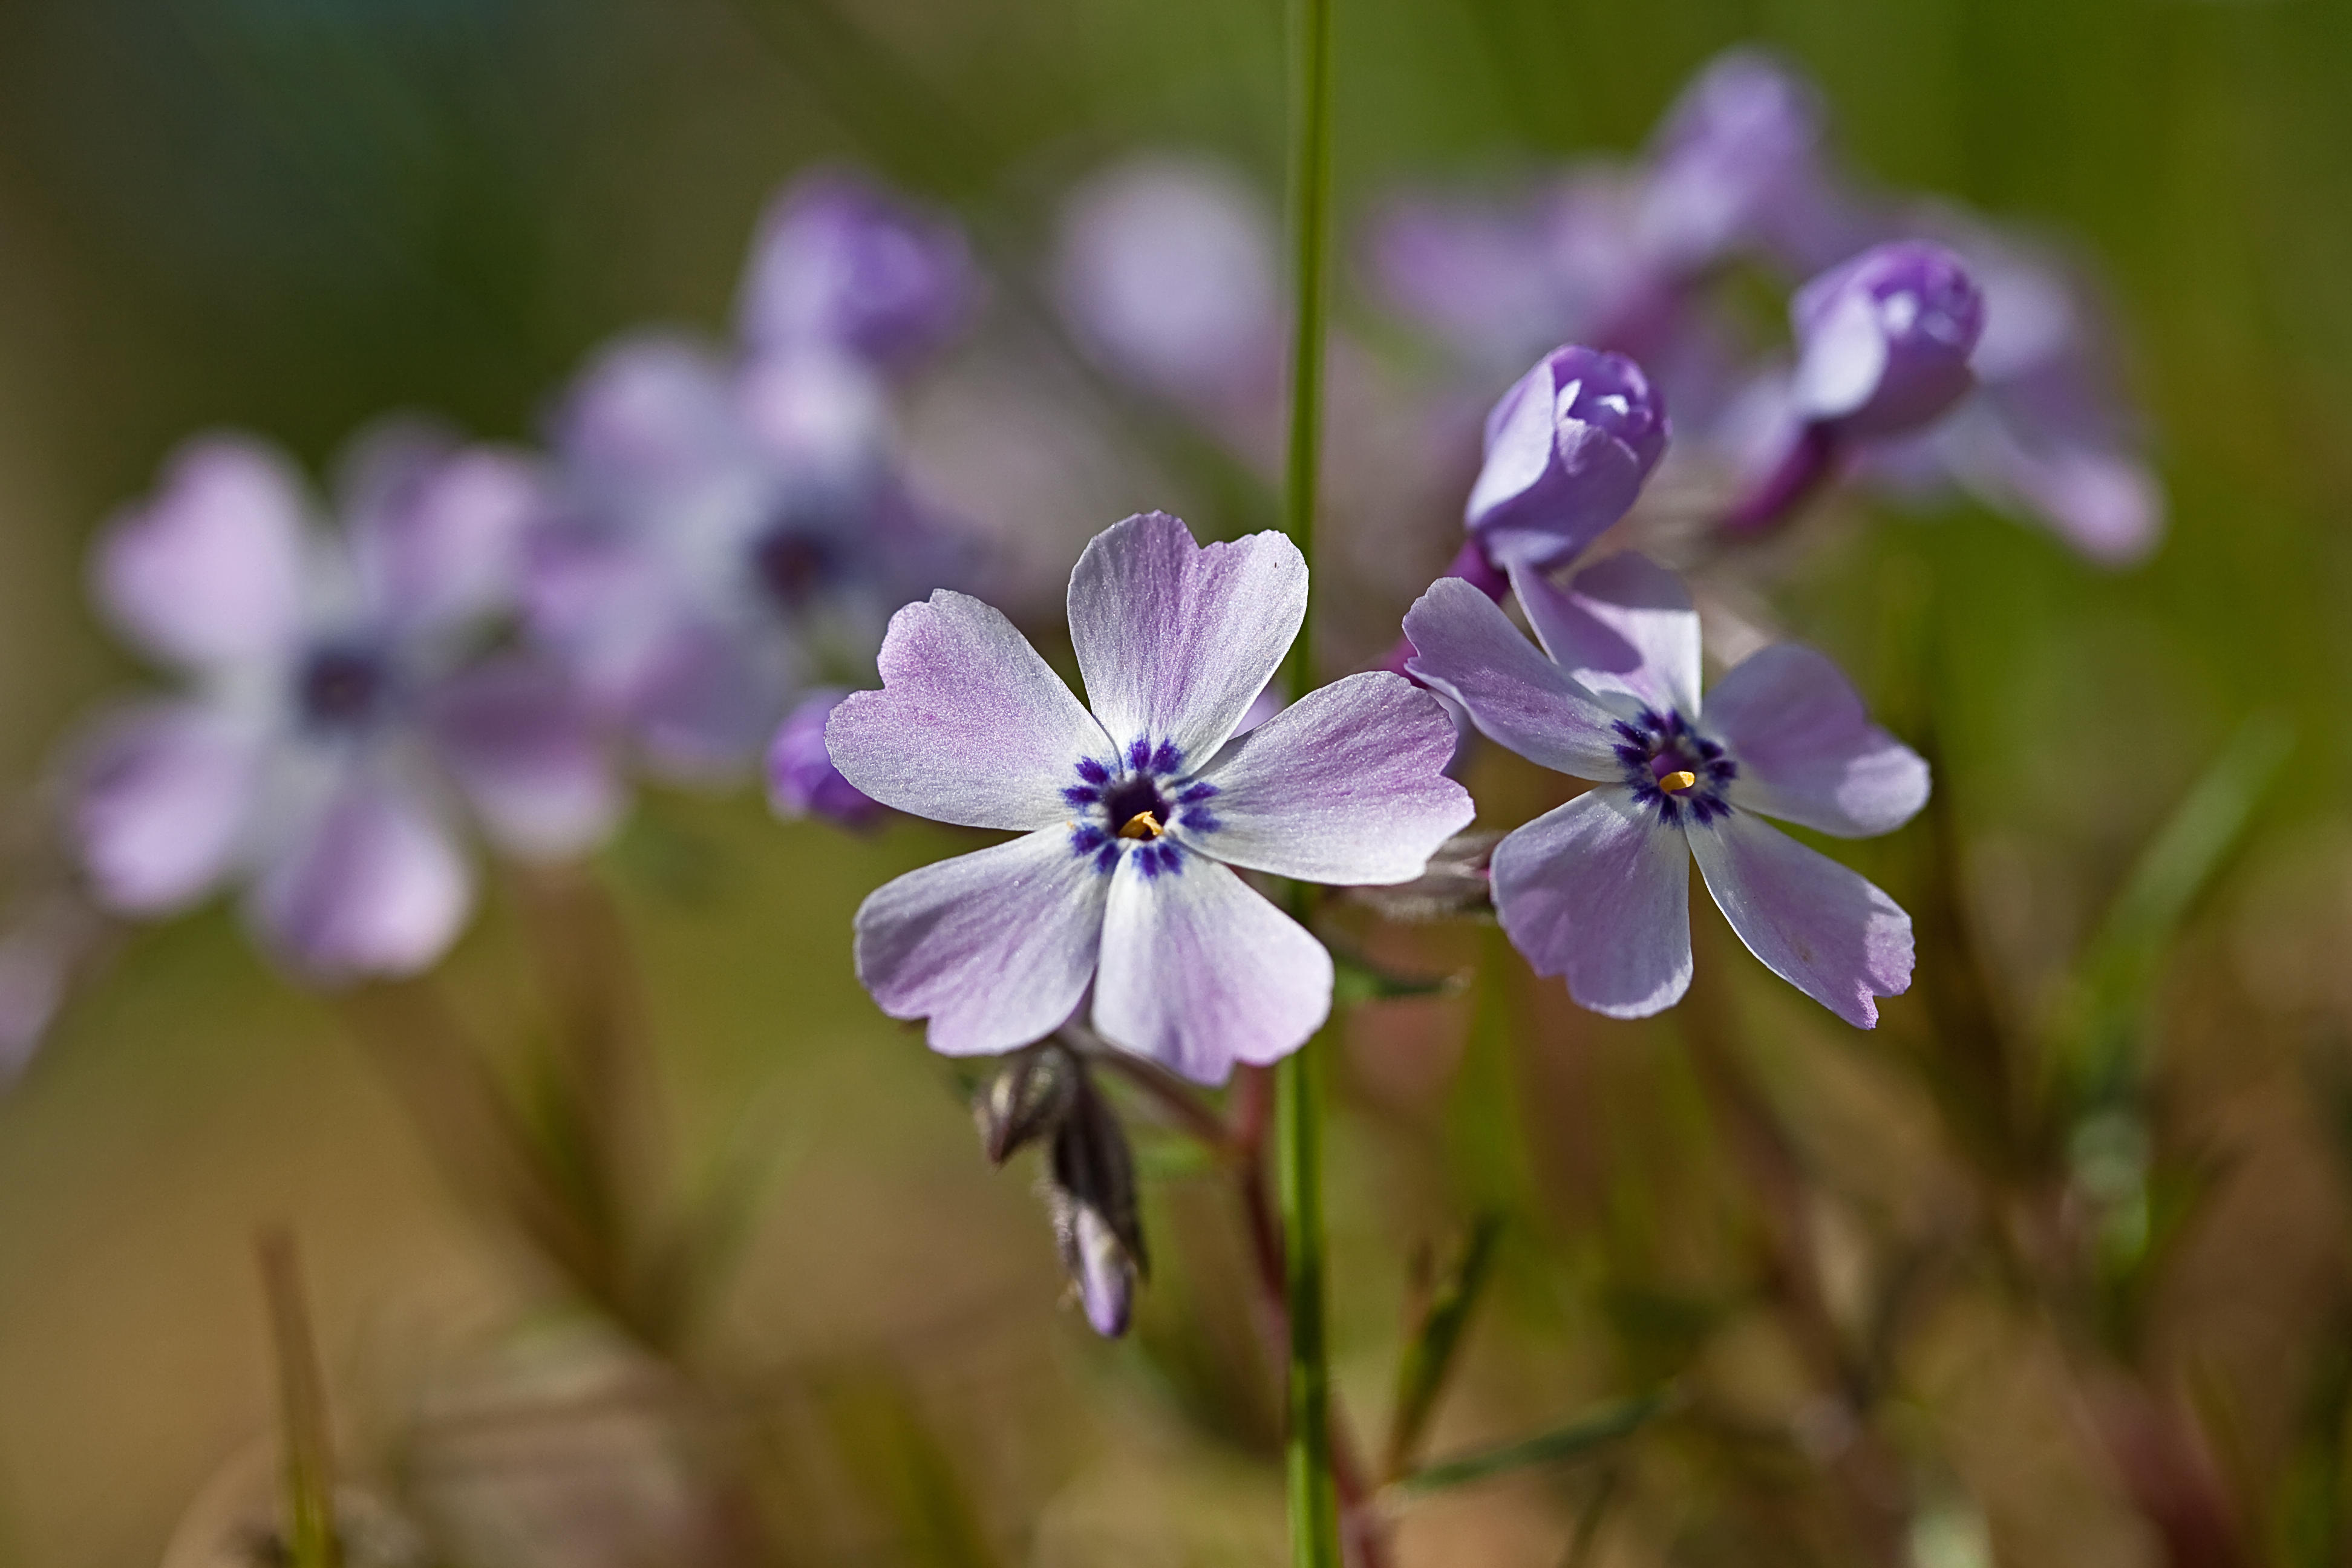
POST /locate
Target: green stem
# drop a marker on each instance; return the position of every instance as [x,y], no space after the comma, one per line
[307,1482]
[1298,1146]
[1298,1096]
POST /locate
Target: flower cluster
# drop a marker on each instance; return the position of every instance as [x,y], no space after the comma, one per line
[484,636]
[721,557]
[1634,257]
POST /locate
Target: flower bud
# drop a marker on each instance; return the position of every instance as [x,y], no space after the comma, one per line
[1567,449]
[802,779]
[839,263]
[1884,338]
[1091,1191]
[1025,1099]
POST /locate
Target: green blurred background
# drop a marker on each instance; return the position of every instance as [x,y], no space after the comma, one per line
[292,214]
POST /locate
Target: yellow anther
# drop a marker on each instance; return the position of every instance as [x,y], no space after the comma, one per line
[1675,783]
[1142,825]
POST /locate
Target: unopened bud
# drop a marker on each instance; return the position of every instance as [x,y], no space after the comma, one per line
[1093,1198]
[1567,450]
[1024,1099]
[1883,340]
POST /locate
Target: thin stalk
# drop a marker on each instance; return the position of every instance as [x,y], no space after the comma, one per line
[305,1435]
[1298,1095]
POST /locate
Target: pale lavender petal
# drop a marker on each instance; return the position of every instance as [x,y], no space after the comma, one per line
[994,948]
[802,779]
[1176,640]
[1625,625]
[1199,972]
[707,699]
[519,741]
[1167,271]
[161,801]
[1806,750]
[971,726]
[1467,649]
[372,884]
[1346,786]
[1567,449]
[840,262]
[209,571]
[1815,924]
[1598,891]
[438,526]
[650,410]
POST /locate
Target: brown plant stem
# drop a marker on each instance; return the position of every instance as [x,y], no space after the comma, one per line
[307,1435]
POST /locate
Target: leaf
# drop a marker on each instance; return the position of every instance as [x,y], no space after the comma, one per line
[1429,1359]
[2119,968]
[1586,1434]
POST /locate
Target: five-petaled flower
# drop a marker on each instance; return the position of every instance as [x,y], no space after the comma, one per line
[1598,891]
[346,689]
[1137,816]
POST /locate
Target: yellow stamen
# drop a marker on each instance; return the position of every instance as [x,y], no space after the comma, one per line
[1675,783]
[1142,825]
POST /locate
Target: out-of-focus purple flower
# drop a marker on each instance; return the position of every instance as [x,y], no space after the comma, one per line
[2047,435]
[344,697]
[719,538]
[1166,273]
[1615,254]
[1567,450]
[840,264]
[1883,340]
[1738,164]
[1597,890]
[1137,816]
[1499,280]
[802,779]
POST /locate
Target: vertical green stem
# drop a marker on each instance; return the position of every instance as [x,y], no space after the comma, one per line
[308,1484]
[1299,1098]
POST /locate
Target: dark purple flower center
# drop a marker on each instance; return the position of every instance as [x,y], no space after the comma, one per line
[1130,810]
[794,562]
[341,687]
[1675,770]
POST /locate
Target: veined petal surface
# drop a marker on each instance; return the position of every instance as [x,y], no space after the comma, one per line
[1598,891]
[1347,787]
[1817,925]
[971,726]
[995,948]
[1176,639]
[1625,625]
[1466,647]
[1806,750]
[1199,972]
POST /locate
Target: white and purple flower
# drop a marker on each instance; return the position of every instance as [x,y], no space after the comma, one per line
[346,700]
[1598,891]
[1136,815]
[729,531]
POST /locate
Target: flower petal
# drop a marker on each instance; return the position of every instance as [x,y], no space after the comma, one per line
[1806,750]
[516,737]
[209,571]
[1177,640]
[994,948]
[1598,891]
[162,796]
[372,884]
[1625,625]
[1347,787]
[438,526]
[1199,972]
[708,698]
[1467,649]
[1820,927]
[971,726]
